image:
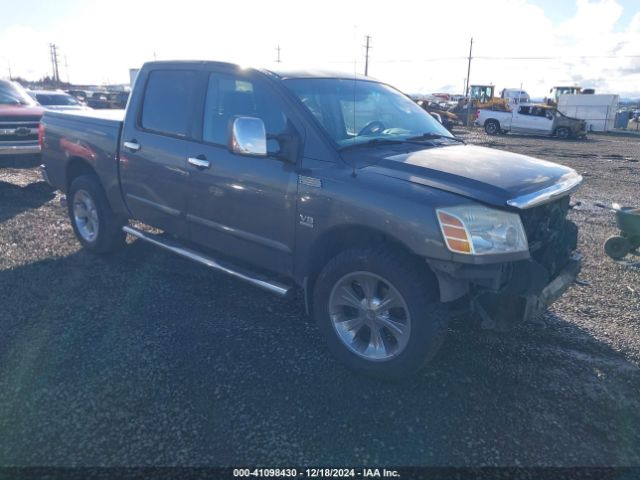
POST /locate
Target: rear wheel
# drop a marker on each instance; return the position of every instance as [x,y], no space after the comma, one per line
[379,312]
[94,223]
[492,127]
[563,133]
[617,247]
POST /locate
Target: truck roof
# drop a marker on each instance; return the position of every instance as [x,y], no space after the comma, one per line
[281,74]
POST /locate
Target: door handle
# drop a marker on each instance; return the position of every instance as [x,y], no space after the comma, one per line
[133,145]
[199,162]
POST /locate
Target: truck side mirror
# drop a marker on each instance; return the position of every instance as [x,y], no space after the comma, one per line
[248,137]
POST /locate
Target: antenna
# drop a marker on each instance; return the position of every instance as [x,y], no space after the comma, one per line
[278,60]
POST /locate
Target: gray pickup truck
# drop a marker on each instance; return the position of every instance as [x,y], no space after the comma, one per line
[336,185]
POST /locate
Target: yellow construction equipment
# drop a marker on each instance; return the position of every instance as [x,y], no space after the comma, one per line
[482,96]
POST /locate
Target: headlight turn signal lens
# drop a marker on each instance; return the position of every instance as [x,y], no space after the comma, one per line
[455,233]
[480,230]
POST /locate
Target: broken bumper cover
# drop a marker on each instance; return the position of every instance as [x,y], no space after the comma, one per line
[536,304]
[505,294]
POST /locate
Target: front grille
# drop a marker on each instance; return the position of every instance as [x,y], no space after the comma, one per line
[8,131]
[552,238]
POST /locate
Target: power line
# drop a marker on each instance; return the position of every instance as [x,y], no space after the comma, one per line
[485,57]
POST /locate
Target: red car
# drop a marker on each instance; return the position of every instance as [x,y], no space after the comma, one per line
[19,120]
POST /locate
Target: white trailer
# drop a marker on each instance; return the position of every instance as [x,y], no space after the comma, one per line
[599,111]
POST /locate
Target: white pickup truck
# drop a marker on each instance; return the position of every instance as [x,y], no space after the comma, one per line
[533,119]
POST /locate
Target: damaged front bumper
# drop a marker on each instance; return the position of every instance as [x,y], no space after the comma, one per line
[502,295]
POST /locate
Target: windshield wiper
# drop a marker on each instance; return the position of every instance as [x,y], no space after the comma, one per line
[435,136]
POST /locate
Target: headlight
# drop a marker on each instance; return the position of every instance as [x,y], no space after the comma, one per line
[478,230]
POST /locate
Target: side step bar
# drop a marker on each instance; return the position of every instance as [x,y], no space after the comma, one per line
[269,285]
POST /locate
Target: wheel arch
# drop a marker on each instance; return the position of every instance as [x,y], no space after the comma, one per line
[75,167]
[344,237]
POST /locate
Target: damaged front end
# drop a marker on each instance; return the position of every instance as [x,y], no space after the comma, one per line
[504,294]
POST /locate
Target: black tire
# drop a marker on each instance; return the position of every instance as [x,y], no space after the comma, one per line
[617,247]
[492,127]
[563,133]
[417,287]
[109,236]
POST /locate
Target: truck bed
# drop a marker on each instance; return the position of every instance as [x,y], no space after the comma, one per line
[83,137]
[102,117]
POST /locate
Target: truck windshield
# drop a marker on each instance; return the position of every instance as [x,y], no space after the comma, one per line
[56,99]
[12,93]
[358,111]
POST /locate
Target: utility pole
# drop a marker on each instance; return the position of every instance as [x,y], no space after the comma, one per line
[466,93]
[54,62]
[278,59]
[66,68]
[366,56]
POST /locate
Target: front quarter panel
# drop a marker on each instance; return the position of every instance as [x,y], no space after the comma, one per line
[331,197]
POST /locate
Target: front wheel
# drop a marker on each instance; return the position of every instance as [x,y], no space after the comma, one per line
[563,133]
[94,223]
[380,312]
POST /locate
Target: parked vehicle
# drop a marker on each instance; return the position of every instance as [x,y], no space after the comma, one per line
[531,119]
[337,185]
[597,111]
[19,119]
[98,100]
[80,95]
[56,100]
[446,118]
[483,96]
[515,95]
[556,92]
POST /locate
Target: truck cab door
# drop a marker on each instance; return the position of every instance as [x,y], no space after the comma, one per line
[521,121]
[239,205]
[153,149]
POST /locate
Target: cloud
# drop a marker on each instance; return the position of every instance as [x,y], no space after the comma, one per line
[416,46]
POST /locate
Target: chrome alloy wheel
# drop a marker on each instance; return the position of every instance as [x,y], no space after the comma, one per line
[370,316]
[85,215]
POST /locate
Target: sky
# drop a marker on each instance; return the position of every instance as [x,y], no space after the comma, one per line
[417,46]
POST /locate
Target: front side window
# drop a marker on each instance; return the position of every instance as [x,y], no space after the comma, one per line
[356,111]
[168,102]
[229,96]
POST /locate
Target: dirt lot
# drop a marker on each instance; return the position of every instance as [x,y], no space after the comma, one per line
[143,358]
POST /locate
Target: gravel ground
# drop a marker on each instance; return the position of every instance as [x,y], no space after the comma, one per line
[143,358]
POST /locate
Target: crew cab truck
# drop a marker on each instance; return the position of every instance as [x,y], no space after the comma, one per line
[337,185]
[531,119]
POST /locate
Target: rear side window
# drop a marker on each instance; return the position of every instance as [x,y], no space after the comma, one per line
[169,101]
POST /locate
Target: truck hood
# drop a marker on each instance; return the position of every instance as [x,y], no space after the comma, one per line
[490,176]
[16,112]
